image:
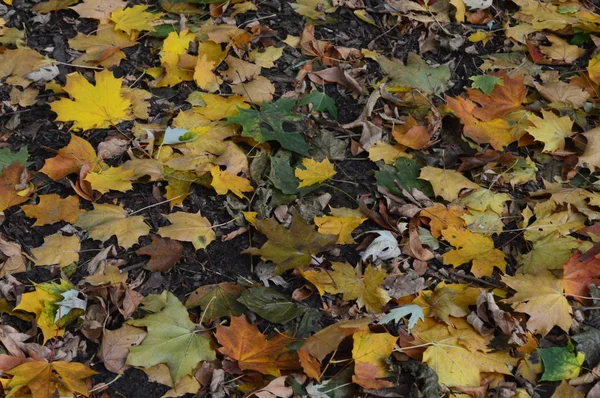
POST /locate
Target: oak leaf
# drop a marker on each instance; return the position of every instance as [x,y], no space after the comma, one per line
[291,248]
[45,379]
[70,159]
[503,100]
[223,182]
[314,172]
[107,220]
[473,247]
[446,183]
[57,249]
[244,343]
[52,209]
[164,253]
[93,106]
[189,227]
[541,297]
[172,339]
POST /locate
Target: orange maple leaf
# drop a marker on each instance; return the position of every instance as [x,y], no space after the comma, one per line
[14,187]
[243,342]
[581,271]
[503,100]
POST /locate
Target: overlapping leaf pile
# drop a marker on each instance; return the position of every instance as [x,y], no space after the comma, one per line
[441,241]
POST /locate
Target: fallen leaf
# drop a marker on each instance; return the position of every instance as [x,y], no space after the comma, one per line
[172,339]
[314,172]
[107,220]
[373,348]
[341,223]
[551,130]
[52,209]
[446,183]
[44,379]
[111,179]
[473,247]
[102,49]
[115,346]
[217,301]
[93,106]
[442,217]
[560,363]
[57,250]
[244,343]
[14,188]
[189,227]
[503,100]
[223,182]
[291,248]
[134,19]
[561,51]
[164,253]
[70,159]
[98,9]
[541,297]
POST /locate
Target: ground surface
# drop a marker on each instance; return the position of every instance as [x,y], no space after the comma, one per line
[484,188]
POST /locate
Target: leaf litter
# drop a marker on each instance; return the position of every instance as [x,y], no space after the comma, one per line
[314,198]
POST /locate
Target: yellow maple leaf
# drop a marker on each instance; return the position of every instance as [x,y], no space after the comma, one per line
[473,247]
[446,183]
[45,379]
[57,249]
[593,68]
[134,19]
[560,50]
[204,76]
[267,57]
[224,182]
[458,353]
[551,130]
[314,172]
[344,280]
[541,297]
[113,178]
[341,223]
[386,152]
[482,36]
[217,107]
[189,227]
[373,348]
[175,45]
[442,303]
[107,220]
[98,106]
[484,199]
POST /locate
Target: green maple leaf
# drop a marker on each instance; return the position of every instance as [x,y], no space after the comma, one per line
[269,124]
[290,248]
[321,102]
[7,157]
[486,83]
[172,339]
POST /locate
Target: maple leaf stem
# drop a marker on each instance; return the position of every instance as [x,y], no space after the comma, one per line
[341,190]
[102,386]
[154,205]
[78,66]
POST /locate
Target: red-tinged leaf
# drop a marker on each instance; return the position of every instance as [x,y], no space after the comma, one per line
[164,253]
[580,271]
